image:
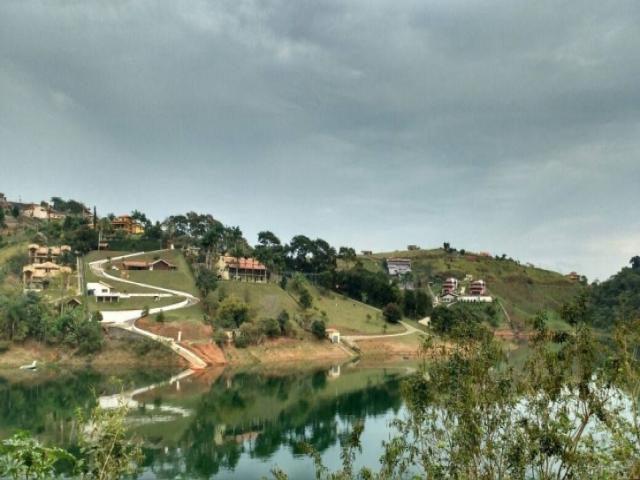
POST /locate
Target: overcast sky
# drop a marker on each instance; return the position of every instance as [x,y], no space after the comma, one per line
[507,126]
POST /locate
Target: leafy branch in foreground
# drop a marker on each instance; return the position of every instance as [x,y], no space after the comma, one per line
[106,452]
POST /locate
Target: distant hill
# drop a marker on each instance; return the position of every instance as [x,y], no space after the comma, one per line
[523,290]
[617,298]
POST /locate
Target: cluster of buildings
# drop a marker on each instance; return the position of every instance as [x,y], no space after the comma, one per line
[45,264]
[452,292]
[40,211]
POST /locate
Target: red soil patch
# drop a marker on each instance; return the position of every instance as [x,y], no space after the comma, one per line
[209,352]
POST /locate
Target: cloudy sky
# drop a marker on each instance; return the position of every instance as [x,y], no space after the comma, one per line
[508,126]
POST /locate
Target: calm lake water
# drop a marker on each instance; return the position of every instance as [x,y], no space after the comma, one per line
[217,424]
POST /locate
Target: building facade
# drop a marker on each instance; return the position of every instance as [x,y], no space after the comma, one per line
[241,269]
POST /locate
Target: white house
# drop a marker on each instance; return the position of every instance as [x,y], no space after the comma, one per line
[102,291]
[398,266]
[475,299]
[449,297]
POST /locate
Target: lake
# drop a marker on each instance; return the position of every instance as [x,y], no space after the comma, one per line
[216,424]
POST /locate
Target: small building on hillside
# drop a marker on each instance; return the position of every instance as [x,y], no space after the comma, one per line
[37,276]
[574,276]
[127,224]
[449,297]
[103,292]
[478,287]
[42,212]
[366,253]
[450,285]
[475,299]
[333,335]
[42,254]
[241,269]
[398,266]
[159,264]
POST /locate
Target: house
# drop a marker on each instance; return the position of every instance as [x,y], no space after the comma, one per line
[42,211]
[37,276]
[243,269]
[42,254]
[333,335]
[573,276]
[367,253]
[449,297]
[478,287]
[398,266]
[159,264]
[68,304]
[450,285]
[103,292]
[127,224]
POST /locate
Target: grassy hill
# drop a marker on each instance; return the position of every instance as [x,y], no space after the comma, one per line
[523,290]
[349,316]
[180,279]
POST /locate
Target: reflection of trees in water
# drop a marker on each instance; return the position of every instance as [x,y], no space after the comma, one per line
[48,407]
[249,414]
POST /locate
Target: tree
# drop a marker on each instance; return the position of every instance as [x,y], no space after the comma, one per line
[2,218]
[306,300]
[635,262]
[318,329]
[409,303]
[424,306]
[15,212]
[206,281]
[233,312]
[392,313]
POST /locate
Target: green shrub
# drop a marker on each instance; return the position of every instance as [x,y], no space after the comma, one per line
[318,328]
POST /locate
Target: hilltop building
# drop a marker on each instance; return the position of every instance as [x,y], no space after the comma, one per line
[42,212]
[242,269]
[366,253]
[478,287]
[127,224]
[398,266]
[450,285]
[574,276]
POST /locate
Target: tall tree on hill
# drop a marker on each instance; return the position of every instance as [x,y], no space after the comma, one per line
[211,241]
[2,217]
[635,262]
[269,250]
[15,212]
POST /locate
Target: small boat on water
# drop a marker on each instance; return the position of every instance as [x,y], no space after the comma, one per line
[31,366]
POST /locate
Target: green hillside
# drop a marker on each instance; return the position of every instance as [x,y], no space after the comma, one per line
[522,290]
[267,300]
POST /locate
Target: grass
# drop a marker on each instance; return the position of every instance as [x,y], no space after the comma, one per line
[179,279]
[350,316]
[267,300]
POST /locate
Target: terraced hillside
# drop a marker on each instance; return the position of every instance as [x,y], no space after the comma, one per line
[523,290]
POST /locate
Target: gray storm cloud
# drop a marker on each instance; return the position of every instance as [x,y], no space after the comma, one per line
[508,126]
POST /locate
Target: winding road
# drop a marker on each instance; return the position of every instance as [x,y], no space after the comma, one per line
[125,319]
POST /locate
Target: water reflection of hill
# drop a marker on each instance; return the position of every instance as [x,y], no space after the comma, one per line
[206,423]
[257,414]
